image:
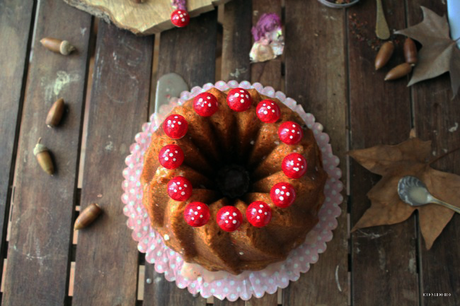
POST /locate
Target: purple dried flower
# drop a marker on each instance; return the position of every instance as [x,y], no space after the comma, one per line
[266,23]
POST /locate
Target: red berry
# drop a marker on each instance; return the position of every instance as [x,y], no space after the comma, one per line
[268,111]
[196,214]
[205,104]
[229,218]
[294,165]
[171,156]
[239,99]
[180,18]
[179,188]
[175,126]
[259,214]
[282,194]
[290,132]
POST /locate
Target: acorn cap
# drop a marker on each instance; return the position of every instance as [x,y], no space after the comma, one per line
[39,148]
[66,48]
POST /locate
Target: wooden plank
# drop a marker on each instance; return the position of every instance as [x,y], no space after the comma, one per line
[13,65]
[163,293]
[197,44]
[266,300]
[38,254]
[226,302]
[196,64]
[435,119]
[107,256]
[316,78]
[237,41]
[379,114]
[267,73]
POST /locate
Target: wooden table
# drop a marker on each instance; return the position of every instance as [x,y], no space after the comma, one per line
[108,86]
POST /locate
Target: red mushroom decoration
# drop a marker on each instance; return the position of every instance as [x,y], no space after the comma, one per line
[282,194]
[171,156]
[180,17]
[175,126]
[196,214]
[294,165]
[205,104]
[268,111]
[229,218]
[259,214]
[180,189]
[290,133]
[239,100]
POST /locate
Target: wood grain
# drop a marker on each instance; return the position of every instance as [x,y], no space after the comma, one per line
[13,65]
[317,79]
[267,73]
[199,37]
[197,44]
[237,41]
[163,293]
[38,254]
[152,16]
[226,302]
[383,258]
[107,257]
[435,117]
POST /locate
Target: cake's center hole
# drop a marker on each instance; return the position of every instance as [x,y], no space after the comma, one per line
[233,181]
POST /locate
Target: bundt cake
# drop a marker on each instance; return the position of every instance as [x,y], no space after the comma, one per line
[233,180]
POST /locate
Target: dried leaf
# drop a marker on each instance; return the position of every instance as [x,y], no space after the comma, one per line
[394,162]
[439,53]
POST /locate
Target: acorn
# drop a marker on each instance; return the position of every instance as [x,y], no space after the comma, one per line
[410,51]
[43,157]
[384,54]
[55,113]
[87,216]
[398,72]
[57,45]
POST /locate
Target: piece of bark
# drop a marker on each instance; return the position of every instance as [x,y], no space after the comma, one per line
[150,17]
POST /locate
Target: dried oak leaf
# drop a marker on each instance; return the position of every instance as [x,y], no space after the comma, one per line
[392,163]
[439,53]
